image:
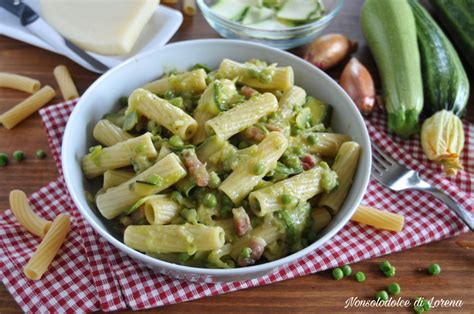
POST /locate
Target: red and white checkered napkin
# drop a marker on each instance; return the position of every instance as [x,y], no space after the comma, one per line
[90,274]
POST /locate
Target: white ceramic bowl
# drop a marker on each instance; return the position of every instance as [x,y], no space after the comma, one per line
[101,96]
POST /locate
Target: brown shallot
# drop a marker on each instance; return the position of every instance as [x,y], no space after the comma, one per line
[329,50]
[358,83]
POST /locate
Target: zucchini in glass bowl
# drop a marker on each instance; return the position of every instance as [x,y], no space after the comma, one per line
[281,24]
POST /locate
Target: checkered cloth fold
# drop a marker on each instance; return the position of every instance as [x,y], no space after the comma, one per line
[90,274]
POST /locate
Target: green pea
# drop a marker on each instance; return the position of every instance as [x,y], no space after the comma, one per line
[293,162]
[298,151]
[394,288]
[381,295]
[337,273]
[18,155]
[434,269]
[214,180]
[347,270]
[421,305]
[259,169]
[385,266]
[209,200]
[360,276]
[287,199]
[3,159]
[312,139]
[176,141]
[40,154]
[246,252]
[391,272]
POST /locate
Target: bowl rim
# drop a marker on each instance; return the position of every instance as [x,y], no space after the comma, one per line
[67,162]
[325,19]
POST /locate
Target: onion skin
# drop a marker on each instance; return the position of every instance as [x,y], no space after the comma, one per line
[358,83]
[329,50]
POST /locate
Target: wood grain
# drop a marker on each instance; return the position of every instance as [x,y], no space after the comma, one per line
[314,293]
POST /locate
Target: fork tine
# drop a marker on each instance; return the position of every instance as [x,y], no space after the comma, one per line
[377,167]
[389,159]
[381,161]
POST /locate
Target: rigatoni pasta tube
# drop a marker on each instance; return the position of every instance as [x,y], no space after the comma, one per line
[65,82]
[162,112]
[378,218]
[302,186]
[116,200]
[345,166]
[48,248]
[242,116]
[189,7]
[185,238]
[119,155]
[108,134]
[27,107]
[116,177]
[293,97]
[207,108]
[161,209]
[247,174]
[25,215]
[19,82]
[282,78]
[325,144]
[193,81]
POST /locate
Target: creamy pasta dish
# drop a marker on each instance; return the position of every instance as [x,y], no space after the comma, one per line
[220,168]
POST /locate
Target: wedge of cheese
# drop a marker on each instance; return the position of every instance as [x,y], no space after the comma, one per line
[109,27]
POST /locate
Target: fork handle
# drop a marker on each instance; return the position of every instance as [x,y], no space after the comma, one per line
[460,211]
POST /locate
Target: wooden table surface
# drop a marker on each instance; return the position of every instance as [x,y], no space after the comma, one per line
[313,293]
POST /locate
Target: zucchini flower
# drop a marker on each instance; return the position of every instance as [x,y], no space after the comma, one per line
[442,139]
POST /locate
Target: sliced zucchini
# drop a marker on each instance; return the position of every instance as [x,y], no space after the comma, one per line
[272,24]
[320,112]
[233,9]
[255,14]
[303,118]
[298,10]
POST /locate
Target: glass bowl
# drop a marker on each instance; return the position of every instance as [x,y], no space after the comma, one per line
[283,39]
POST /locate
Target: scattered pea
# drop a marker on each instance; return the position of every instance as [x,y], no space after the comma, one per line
[385,266]
[337,273]
[176,141]
[347,270]
[40,154]
[18,155]
[434,269]
[381,295]
[259,169]
[209,200]
[360,276]
[394,288]
[391,272]
[421,305]
[3,159]
[312,139]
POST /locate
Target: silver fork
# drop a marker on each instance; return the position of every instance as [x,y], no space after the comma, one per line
[397,177]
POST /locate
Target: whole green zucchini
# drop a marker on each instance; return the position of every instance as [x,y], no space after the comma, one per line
[457,17]
[446,85]
[389,28]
